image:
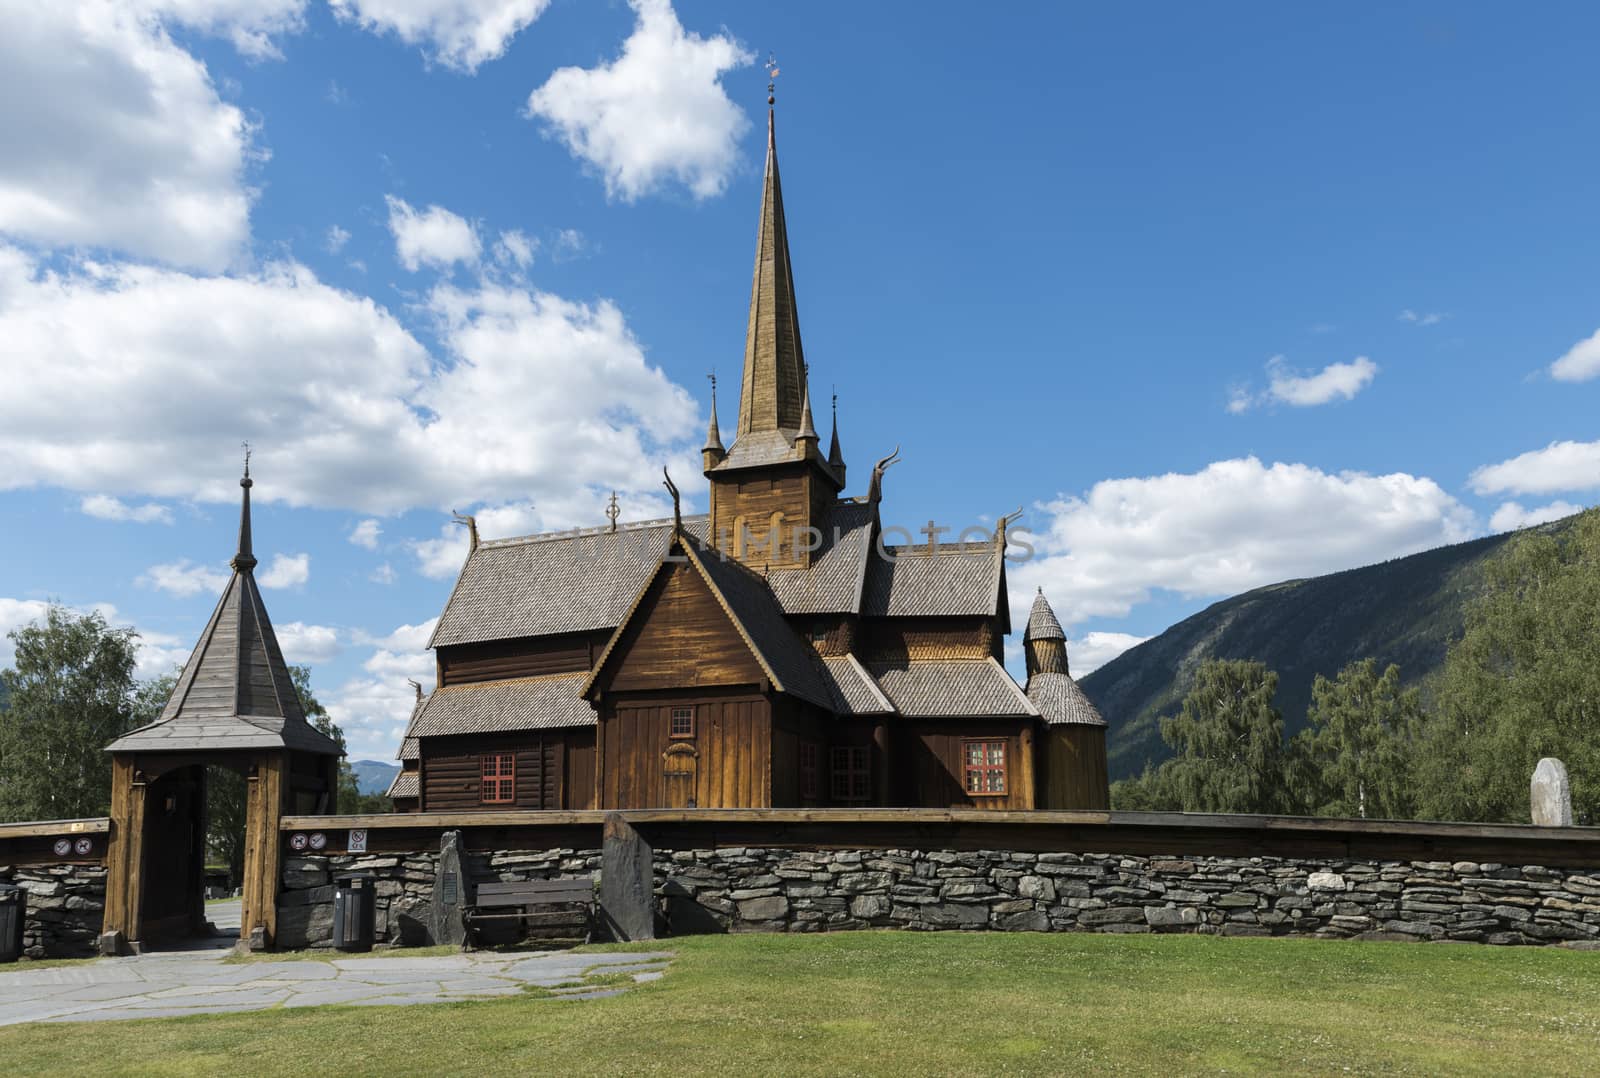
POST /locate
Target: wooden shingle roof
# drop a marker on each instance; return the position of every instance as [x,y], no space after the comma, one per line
[1060,701]
[235,691]
[532,703]
[951,688]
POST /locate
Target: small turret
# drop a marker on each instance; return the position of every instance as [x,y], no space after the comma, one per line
[835,456]
[805,439]
[712,453]
[1044,645]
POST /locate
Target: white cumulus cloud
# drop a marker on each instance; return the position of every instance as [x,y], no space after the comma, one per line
[515,249]
[1336,381]
[115,137]
[1093,650]
[335,239]
[1234,525]
[307,644]
[1581,362]
[286,571]
[432,237]
[108,508]
[655,114]
[374,707]
[183,578]
[1559,466]
[1511,515]
[461,34]
[366,533]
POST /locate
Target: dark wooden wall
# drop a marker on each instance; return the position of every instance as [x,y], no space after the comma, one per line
[927,768]
[897,639]
[451,775]
[757,494]
[527,657]
[680,638]
[1075,768]
[579,790]
[732,748]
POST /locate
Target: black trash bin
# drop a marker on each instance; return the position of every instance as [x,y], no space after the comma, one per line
[13,917]
[354,912]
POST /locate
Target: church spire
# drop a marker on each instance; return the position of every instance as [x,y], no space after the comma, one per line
[245,559]
[772,395]
[712,451]
[835,456]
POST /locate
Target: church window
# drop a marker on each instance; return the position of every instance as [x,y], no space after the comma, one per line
[852,773]
[682,722]
[498,772]
[808,769]
[985,767]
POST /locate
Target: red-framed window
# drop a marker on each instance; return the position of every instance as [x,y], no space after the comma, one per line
[682,722]
[985,767]
[498,774]
[808,769]
[852,773]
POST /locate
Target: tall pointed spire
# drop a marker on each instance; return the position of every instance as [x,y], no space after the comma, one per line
[245,559]
[772,395]
[835,456]
[808,429]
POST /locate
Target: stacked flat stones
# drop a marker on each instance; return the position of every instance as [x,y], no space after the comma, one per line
[66,903]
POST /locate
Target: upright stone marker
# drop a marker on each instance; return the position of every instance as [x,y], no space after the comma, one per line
[445,919]
[627,882]
[1551,794]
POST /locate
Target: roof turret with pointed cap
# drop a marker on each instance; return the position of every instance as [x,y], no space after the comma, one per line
[235,691]
[1050,684]
[835,456]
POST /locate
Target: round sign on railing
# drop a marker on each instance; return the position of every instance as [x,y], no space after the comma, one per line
[318,840]
[63,847]
[297,842]
[82,847]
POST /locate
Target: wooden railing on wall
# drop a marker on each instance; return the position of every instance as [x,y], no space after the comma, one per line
[39,841]
[1144,833]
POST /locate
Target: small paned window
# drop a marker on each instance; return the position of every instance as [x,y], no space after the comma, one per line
[682,722]
[808,769]
[985,767]
[852,773]
[498,771]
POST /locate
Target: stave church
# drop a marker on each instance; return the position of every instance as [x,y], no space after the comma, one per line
[772,652]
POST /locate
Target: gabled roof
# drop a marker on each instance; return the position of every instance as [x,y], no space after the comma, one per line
[1060,701]
[854,691]
[951,579]
[235,691]
[405,784]
[784,658]
[532,703]
[952,688]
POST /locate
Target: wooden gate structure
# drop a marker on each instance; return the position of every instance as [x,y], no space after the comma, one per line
[234,706]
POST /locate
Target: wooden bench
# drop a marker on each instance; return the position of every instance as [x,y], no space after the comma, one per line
[531,903]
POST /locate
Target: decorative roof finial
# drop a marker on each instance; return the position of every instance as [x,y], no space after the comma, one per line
[713,432]
[417,686]
[471,524]
[677,509]
[245,559]
[875,486]
[772,79]
[613,511]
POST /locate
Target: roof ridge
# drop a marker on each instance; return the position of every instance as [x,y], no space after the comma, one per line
[465,685]
[582,533]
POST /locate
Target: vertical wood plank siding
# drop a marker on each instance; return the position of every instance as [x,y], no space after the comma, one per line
[681,639]
[929,763]
[731,746]
[1075,768]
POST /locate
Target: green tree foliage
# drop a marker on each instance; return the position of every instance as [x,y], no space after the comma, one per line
[1354,759]
[1228,741]
[70,692]
[1523,682]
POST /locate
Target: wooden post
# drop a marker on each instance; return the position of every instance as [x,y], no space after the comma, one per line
[124,858]
[1029,790]
[880,750]
[263,845]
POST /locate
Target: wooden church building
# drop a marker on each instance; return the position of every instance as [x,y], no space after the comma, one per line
[772,652]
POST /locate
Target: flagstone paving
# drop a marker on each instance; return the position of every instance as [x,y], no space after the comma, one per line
[198,982]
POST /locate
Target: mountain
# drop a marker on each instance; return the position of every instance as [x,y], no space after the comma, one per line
[1404,611]
[373,776]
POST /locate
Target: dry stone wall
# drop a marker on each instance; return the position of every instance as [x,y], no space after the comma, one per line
[66,903]
[792,890]
[403,886]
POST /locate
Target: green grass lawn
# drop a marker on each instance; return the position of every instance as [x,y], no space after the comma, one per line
[947,1003]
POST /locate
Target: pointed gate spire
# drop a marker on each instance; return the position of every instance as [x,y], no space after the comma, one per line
[245,559]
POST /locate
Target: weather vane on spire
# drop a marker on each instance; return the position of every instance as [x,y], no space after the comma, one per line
[246,459]
[772,77]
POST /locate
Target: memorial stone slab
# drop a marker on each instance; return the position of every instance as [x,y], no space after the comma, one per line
[446,914]
[627,882]
[1551,794]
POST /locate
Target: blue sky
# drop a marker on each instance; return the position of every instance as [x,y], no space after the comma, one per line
[1220,296]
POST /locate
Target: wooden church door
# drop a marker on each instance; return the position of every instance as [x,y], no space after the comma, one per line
[679,767]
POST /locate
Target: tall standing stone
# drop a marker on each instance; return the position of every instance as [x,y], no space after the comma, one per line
[446,920]
[1551,794]
[627,881]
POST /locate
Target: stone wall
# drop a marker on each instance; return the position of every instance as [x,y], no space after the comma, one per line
[796,890]
[810,891]
[404,888]
[66,903]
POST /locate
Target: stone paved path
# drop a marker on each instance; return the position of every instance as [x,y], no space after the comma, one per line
[199,982]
